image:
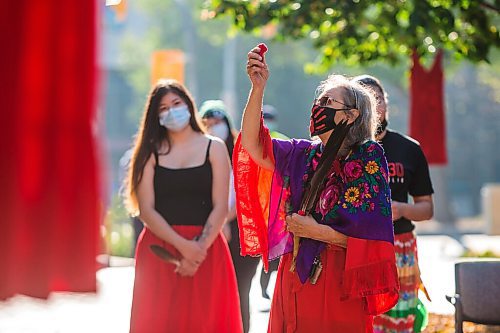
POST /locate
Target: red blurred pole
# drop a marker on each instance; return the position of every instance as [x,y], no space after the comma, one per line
[49,170]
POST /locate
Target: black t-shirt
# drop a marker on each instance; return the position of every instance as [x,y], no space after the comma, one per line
[408,172]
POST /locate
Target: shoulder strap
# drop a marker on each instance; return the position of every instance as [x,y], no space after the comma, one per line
[208,150]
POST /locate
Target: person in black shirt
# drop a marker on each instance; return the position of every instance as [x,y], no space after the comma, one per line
[408,175]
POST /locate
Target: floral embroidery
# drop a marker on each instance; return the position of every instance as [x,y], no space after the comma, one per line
[329,197]
[371,167]
[363,172]
[313,153]
[384,174]
[287,194]
[353,170]
[285,201]
[352,194]
[365,191]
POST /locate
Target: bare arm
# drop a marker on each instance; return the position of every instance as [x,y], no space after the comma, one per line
[189,249]
[226,228]
[220,191]
[421,209]
[231,214]
[308,227]
[258,73]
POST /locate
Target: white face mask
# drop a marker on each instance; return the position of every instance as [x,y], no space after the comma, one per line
[219,130]
[176,118]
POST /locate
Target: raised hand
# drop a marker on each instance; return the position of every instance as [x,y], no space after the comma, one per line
[257,68]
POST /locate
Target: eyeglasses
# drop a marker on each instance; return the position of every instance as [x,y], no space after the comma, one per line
[325,101]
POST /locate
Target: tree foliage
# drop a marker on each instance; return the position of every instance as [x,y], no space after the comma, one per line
[363,32]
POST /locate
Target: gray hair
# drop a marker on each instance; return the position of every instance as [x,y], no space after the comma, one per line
[357,97]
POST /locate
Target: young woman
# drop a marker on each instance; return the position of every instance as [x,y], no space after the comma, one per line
[344,272]
[178,184]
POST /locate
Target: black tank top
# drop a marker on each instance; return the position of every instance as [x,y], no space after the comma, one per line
[184,196]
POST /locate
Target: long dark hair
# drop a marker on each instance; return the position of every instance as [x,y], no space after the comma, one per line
[151,135]
[231,138]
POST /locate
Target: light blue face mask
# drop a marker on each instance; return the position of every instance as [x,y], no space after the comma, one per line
[176,118]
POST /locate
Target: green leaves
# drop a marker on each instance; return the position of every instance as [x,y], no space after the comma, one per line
[363,32]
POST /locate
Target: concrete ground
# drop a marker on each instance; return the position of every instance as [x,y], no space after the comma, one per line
[109,310]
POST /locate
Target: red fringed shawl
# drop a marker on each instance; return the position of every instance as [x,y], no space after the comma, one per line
[252,186]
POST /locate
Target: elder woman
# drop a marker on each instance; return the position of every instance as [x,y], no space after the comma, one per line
[344,272]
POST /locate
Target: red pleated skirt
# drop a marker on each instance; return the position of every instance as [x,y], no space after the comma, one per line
[166,302]
[306,308]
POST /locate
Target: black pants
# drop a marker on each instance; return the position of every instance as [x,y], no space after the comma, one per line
[245,268]
[264,277]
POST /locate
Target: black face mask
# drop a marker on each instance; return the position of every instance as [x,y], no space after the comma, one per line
[322,119]
[381,127]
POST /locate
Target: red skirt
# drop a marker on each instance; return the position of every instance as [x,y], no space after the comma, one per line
[305,308]
[166,302]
